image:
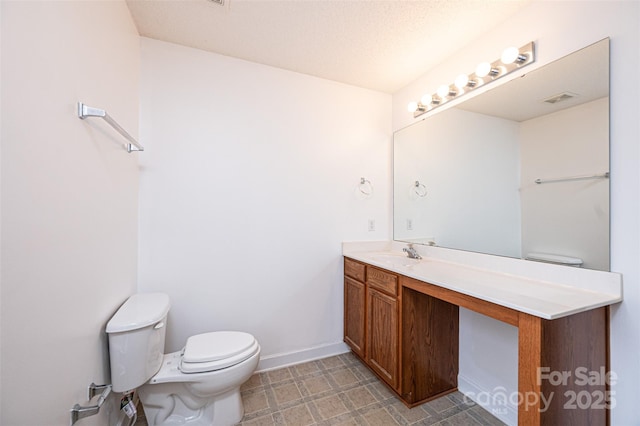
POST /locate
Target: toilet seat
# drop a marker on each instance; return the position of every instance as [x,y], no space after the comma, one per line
[217,350]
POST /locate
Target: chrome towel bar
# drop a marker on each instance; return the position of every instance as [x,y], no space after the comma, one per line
[85,111]
[600,176]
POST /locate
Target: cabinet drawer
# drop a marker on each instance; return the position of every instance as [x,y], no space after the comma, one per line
[354,269]
[382,280]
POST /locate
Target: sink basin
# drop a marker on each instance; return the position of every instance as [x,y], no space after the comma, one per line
[393,259]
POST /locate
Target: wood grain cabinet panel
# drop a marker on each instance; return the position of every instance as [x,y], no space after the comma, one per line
[382,280]
[382,336]
[355,270]
[430,347]
[566,361]
[355,315]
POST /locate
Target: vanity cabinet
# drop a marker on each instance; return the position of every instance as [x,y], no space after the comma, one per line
[406,330]
[408,338]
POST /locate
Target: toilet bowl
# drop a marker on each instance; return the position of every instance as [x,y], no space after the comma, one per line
[199,385]
[205,392]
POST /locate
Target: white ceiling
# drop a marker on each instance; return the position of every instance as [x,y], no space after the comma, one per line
[377,44]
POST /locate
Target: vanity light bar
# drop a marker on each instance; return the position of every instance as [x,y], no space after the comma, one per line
[511,60]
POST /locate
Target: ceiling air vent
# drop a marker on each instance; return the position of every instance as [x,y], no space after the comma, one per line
[560,97]
[220,2]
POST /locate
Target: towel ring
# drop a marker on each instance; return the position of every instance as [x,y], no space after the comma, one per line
[365,187]
[419,189]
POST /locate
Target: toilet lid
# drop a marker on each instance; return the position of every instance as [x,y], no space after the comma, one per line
[217,350]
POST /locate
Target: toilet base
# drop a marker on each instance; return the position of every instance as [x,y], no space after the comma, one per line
[213,398]
[180,408]
[228,409]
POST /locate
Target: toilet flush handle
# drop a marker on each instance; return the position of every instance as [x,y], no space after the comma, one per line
[159,325]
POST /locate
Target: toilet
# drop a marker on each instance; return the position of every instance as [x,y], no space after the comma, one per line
[198,385]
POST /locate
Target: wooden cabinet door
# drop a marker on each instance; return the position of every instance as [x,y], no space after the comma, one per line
[382,335]
[354,315]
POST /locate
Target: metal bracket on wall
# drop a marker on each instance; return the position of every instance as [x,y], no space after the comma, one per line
[85,111]
[80,412]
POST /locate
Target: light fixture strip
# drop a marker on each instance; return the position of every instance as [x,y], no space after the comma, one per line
[492,72]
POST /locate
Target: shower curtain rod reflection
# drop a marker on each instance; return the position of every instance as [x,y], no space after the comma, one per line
[85,111]
[600,176]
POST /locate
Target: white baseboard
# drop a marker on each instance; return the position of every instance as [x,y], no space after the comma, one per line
[495,401]
[272,362]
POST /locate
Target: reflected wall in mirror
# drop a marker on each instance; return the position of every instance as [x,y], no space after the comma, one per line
[465,178]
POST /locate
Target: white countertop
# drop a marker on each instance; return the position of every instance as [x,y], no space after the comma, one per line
[544,290]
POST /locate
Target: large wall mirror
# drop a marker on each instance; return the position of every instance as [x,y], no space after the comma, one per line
[521,170]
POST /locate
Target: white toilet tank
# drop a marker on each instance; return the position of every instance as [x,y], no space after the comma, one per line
[136,340]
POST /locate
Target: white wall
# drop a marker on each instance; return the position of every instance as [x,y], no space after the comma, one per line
[558,29]
[248,188]
[69,201]
[570,142]
[476,203]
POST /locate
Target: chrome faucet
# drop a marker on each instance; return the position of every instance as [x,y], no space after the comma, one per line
[411,252]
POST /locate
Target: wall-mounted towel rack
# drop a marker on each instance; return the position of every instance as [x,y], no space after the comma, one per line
[419,189]
[365,187]
[600,176]
[85,111]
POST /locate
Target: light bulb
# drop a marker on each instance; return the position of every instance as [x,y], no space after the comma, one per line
[426,99]
[443,91]
[461,81]
[483,69]
[412,106]
[510,55]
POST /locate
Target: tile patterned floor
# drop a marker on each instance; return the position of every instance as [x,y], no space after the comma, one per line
[340,390]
